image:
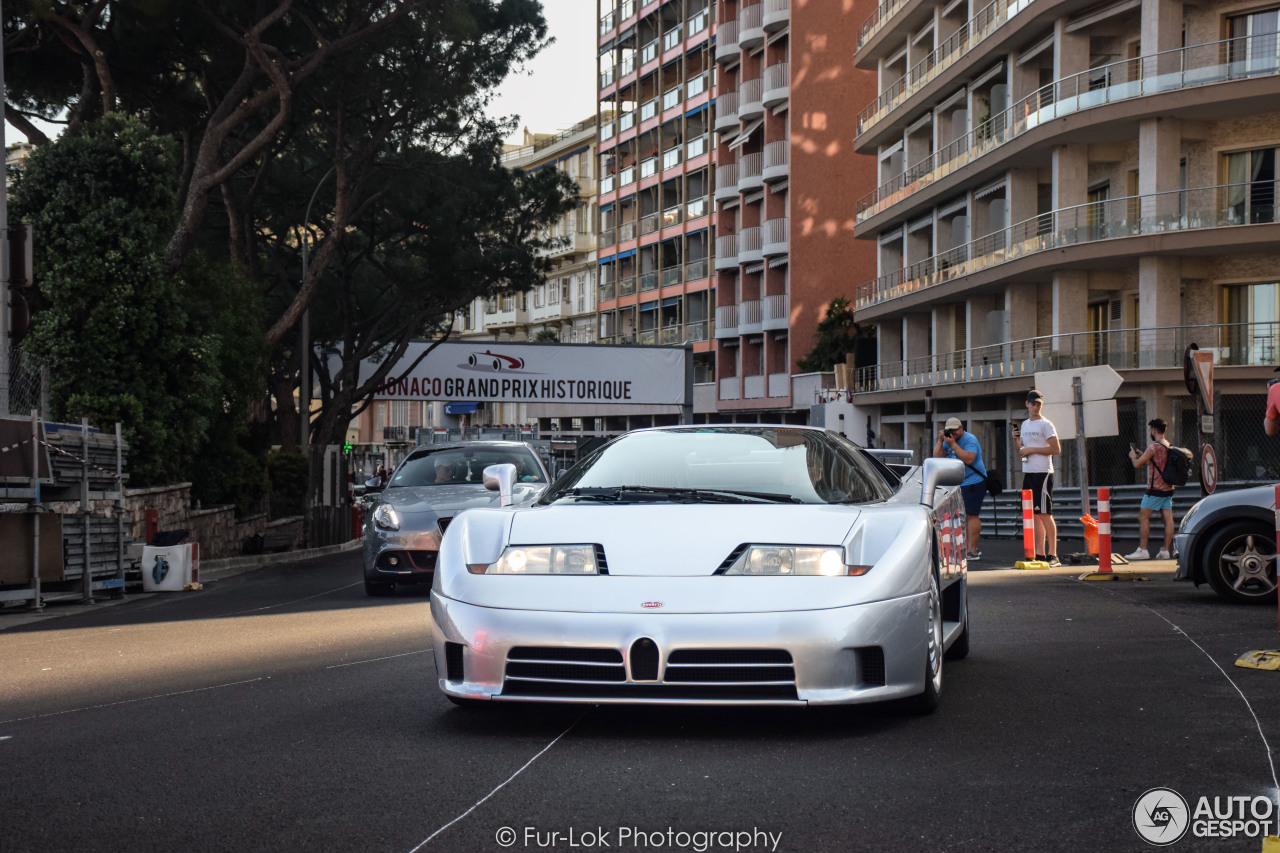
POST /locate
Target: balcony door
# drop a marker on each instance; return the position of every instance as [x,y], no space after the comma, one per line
[1251,186]
[1254,46]
[1252,311]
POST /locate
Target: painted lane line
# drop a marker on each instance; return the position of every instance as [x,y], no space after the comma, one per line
[375,660]
[295,601]
[6,737]
[130,701]
[481,801]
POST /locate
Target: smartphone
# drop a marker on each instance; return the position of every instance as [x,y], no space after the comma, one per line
[1133,447]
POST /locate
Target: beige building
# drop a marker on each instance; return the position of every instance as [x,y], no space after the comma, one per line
[1064,184]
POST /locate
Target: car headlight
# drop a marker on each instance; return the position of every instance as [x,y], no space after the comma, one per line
[1185,525]
[542,560]
[793,560]
[386,518]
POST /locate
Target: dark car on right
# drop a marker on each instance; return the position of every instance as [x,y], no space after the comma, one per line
[1228,540]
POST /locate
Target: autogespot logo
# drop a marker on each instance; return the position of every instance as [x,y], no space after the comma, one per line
[1161,817]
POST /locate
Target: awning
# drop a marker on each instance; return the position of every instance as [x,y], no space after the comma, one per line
[670,300]
[746,134]
[754,197]
[778,262]
[628,253]
[460,408]
[754,269]
[695,110]
[649,306]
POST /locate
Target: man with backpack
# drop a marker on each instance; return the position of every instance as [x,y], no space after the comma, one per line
[1170,467]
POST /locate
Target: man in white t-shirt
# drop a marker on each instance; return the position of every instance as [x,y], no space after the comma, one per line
[1037,443]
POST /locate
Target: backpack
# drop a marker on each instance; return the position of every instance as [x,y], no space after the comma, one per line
[1177,466]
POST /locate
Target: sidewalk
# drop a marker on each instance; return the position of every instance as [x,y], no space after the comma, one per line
[15,615]
[1003,553]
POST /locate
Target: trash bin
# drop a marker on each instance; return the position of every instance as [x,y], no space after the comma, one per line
[1090,534]
[166,569]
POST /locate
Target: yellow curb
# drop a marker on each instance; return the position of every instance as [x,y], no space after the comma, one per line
[1031,564]
[1112,576]
[1271,844]
[1268,659]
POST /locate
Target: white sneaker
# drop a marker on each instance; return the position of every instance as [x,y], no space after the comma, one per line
[1163,555]
[1140,554]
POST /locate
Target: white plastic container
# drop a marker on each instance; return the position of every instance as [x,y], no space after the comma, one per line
[166,569]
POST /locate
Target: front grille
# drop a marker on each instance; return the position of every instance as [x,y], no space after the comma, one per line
[666,692]
[871,666]
[644,660]
[556,664]
[453,662]
[730,666]
[404,561]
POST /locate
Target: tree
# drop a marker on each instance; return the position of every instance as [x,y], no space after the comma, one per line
[838,337]
[125,340]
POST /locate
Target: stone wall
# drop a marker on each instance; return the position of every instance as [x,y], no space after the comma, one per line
[217,530]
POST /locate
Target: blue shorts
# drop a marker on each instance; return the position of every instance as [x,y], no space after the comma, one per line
[973,496]
[1154,503]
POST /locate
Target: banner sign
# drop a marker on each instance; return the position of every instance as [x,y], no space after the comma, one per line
[538,373]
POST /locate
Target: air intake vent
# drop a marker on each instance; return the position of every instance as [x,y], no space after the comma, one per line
[559,664]
[730,666]
[602,566]
[453,662]
[644,660]
[444,522]
[729,560]
[871,666]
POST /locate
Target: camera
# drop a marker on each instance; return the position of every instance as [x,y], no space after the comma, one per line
[948,433]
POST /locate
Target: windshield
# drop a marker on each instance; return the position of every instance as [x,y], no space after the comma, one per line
[754,463]
[452,466]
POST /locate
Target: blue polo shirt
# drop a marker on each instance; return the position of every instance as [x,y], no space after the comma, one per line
[970,443]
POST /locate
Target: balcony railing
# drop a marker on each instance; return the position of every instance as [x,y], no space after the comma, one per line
[671,158]
[726,321]
[607,291]
[649,109]
[751,94]
[627,286]
[627,176]
[1176,210]
[749,242]
[671,39]
[608,75]
[696,147]
[648,337]
[627,65]
[649,52]
[726,182]
[697,85]
[776,14]
[775,311]
[648,281]
[977,28]
[877,19]
[608,237]
[697,207]
[727,41]
[671,276]
[649,224]
[626,121]
[751,25]
[776,157]
[669,335]
[751,168]
[697,23]
[1235,344]
[607,22]
[1181,68]
[673,216]
[696,331]
[777,80]
[695,270]
[671,98]
[775,236]
[726,252]
[749,317]
[648,167]
[726,111]
[627,231]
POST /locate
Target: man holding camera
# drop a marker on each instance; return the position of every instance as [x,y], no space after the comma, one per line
[954,442]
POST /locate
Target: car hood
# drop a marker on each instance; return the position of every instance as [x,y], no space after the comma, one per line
[449,500]
[680,539]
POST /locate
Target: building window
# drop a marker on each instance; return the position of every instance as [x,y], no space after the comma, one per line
[1251,186]
[1252,309]
[399,413]
[1254,45]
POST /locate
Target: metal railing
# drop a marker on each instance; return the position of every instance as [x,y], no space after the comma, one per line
[698,22]
[671,39]
[671,98]
[649,224]
[751,166]
[697,85]
[749,240]
[649,52]
[877,19]
[627,231]
[696,331]
[1175,210]
[671,276]
[648,167]
[673,215]
[727,39]
[549,141]
[776,154]
[608,237]
[627,286]
[777,76]
[775,307]
[649,109]
[696,147]
[607,291]
[671,158]
[775,231]
[1171,70]
[695,208]
[669,335]
[695,270]
[751,93]
[1233,344]
[973,31]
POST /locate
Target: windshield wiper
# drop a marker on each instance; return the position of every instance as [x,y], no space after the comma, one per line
[624,493]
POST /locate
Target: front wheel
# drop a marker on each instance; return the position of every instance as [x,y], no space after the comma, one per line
[927,702]
[1240,563]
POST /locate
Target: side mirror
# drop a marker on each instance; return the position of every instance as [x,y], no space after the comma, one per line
[373,485]
[939,472]
[500,478]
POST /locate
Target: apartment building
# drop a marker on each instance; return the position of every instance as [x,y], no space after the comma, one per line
[1064,183]
[786,184]
[561,309]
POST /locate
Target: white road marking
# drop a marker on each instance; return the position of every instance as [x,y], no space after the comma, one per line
[6,737]
[375,660]
[481,801]
[295,601]
[128,701]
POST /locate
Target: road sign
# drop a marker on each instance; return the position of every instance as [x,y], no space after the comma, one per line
[1098,383]
[1208,469]
[1202,362]
[1099,418]
[1206,424]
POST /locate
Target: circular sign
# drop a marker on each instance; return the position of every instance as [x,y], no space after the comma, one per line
[1208,469]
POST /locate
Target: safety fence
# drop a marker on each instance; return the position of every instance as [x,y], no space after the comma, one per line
[24,384]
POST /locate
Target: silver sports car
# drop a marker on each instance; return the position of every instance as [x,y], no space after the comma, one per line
[407,517]
[753,564]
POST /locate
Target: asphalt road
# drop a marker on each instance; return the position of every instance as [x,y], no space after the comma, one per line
[284,710]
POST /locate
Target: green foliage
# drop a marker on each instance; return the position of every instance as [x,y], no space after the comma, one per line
[838,336]
[287,471]
[547,336]
[125,340]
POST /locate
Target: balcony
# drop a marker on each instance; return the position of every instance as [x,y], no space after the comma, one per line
[1182,68]
[671,98]
[751,98]
[695,208]
[696,331]
[696,147]
[626,121]
[569,242]
[775,315]
[648,167]
[648,281]
[607,291]
[506,318]
[877,20]
[751,27]
[750,172]
[649,224]
[607,22]
[777,157]
[1186,210]
[671,158]
[607,76]
[1236,344]
[727,43]
[750,246]
[697,85]
[649,110]
[753,387]
[726,253]
[608,130]
[990,18]
[727,182]
[673,216]
[749,317]
[627,66]
[726,321]
[608,237]
[697,23]
[627,231]
[671,39]
[627,286]
[672,276]
[777,84]
[727,112]
[553,311]
[776,240]
[695,270]
[647,337]
[729,387]
[649,52]
[627,176]
[777,15]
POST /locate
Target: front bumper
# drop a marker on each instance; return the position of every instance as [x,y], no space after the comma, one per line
[861,653]
[1182,553]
